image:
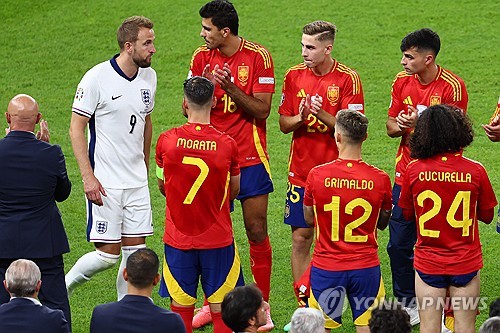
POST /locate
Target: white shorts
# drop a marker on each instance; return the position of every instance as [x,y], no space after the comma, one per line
[124,213]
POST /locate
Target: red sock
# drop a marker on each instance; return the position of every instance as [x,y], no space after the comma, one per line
[219,326]
[205,302]
[186,314]
[261,261]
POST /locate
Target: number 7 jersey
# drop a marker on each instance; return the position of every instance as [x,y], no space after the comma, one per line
[446,191]
[197,162]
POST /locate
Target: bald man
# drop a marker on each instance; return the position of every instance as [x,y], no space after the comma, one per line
[34,177]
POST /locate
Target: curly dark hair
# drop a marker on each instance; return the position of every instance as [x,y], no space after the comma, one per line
[389,318]
[441,129]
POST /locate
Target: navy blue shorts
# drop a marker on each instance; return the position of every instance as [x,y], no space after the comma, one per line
[254,180]
[219,270]
[294,207]
[444,281]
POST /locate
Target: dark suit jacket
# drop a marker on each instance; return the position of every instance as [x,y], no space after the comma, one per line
[32,178]
[134,314]
[21,315]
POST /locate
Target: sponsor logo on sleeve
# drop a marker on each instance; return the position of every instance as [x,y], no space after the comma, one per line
[355,107]
[266,80]
[282,99]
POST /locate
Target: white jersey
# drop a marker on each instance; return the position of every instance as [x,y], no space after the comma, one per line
[117,107]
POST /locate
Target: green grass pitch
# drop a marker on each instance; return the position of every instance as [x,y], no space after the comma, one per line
[47,46]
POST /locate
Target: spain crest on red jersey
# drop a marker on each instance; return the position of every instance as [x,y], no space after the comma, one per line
[243,72]
[434,100]
[333,94]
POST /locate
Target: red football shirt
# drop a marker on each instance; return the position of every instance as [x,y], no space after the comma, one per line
[445,192]
[497,111]
[197,162]
[253,72]
[347,196]
[447,88]
[313,143]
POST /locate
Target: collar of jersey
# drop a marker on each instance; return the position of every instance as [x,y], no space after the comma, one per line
[117,69]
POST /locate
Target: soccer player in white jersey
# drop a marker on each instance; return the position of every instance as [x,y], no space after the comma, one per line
[115,99]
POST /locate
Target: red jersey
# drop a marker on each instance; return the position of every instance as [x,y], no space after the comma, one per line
[313,142]
[253,72]
[347,196]
[447,88]
[445,191]
[497,112]
[197,162]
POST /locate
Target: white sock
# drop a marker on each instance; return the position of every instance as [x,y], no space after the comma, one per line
[121,284]
[87,266]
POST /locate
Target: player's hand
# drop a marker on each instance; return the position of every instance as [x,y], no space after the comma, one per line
[305,107]
[223,76]
[316,104]
[43,134]
[208,74]
[93,190]
[493,129]
[407,120]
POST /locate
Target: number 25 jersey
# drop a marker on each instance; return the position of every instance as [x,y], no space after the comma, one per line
[197,162]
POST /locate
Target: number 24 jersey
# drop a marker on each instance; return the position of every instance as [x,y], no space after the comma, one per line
[446,191]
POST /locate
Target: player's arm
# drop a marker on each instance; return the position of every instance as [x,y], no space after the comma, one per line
[309,215]
[393,130]
[63,184]
[492,130]
[258,105]
[91,185]
[383,219]
[314,105]
[326,118]
[148,134]
[161,186]
[486,215]
[405,120]
[234,187]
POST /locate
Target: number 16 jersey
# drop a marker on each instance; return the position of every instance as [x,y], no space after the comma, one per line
[197,162]
[252,71]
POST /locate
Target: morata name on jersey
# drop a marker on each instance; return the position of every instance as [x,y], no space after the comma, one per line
[445,176]
[350,184]
[197,144]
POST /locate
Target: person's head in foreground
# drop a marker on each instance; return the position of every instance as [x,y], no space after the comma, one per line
[389,318]
[307,320]
[244,309]
[440,129]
